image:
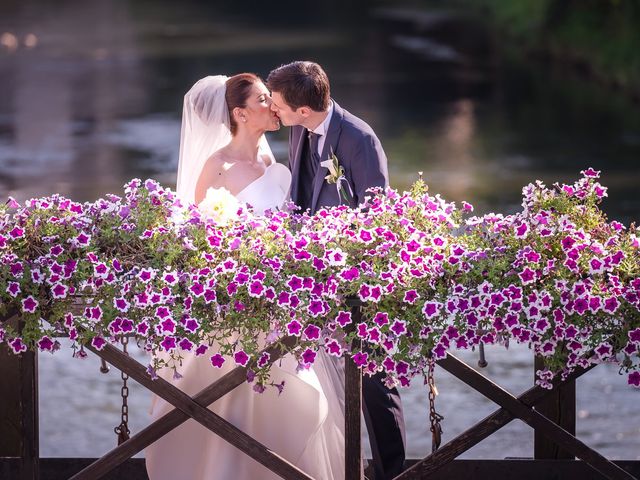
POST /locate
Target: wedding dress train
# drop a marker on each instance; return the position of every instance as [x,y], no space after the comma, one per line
[305,424]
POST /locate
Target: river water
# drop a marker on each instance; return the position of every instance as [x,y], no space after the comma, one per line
[90,96]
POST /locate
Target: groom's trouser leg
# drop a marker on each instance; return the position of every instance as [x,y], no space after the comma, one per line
[385,423]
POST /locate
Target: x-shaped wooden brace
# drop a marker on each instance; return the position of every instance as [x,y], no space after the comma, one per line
[512,407]
[188,407]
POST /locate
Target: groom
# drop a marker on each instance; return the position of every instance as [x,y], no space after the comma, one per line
[319,127]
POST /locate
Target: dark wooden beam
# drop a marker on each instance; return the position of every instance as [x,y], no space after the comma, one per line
[11,403]
[559,407]
[509,469]
[353,409]
[489,425]
[191,408]
[532,418]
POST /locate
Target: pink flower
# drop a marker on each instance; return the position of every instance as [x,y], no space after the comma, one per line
[365,292]
[590,173]
[431,309]
[343,318]
[167,326]
[360,358]
[45,344]
[241,358]
[319,264]
[411,296]
[333,348]
[98,343]
[527,276]
[264,359]
[312,332]
[381,319]
[197,289]
[168,343]
[634,336]
[294,327]
[634,379]
[294,283]
[350,274]
[611,304]
[604,351]
[17,345]
[217,360]
[308,357]
[522,230]
[16,233]
[399,327]
[256,289]
[13,289]
[29,304]
[316,308]
[121,304]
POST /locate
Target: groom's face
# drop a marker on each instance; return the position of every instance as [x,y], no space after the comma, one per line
[287,115]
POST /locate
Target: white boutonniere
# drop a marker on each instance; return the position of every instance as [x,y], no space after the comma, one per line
[336,175]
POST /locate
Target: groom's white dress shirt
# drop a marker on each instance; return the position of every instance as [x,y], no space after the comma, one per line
[321,130]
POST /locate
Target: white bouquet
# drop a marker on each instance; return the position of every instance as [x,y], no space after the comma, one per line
[219,205]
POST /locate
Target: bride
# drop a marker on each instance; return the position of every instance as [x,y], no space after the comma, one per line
[223,146]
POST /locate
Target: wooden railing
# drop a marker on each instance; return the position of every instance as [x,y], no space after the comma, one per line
[549,412]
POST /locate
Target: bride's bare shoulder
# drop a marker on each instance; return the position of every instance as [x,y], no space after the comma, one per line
[212,175]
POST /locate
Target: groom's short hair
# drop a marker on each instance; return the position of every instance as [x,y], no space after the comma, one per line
[301,84]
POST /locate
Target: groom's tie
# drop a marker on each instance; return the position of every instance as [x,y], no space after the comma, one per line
[314,155]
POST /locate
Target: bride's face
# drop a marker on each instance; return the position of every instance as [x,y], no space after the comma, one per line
[258,113]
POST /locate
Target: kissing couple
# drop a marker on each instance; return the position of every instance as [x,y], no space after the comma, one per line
[223,145]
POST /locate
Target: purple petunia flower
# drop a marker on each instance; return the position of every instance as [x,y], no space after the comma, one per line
[98,343]
[611,304]
[360,358]
[217,360]
[256,289]
[333,348]
[13,289]
[431,309]
[17,345]
[350,274]
[294,283]
[399,327]
[344,318]
[312,332]
[241,358]
[29,304]
[294,327]
[45,344]
[381,319]
[316,308]
[168,326]
[309,356]
[197,289]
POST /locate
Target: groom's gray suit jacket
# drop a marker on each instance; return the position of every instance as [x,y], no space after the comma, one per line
[358,150]
[365,164]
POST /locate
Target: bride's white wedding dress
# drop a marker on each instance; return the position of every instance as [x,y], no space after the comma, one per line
[305,424]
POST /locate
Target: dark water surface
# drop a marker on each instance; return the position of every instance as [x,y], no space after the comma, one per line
[91,96]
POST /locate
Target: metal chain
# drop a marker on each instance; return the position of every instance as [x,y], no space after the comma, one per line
[122,430]
[434,417]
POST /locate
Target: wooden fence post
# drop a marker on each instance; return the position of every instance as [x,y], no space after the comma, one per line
[559,407]
[353,409]
[19,408]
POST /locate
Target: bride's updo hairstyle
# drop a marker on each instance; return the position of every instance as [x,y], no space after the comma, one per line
[301,84]
[237,93]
